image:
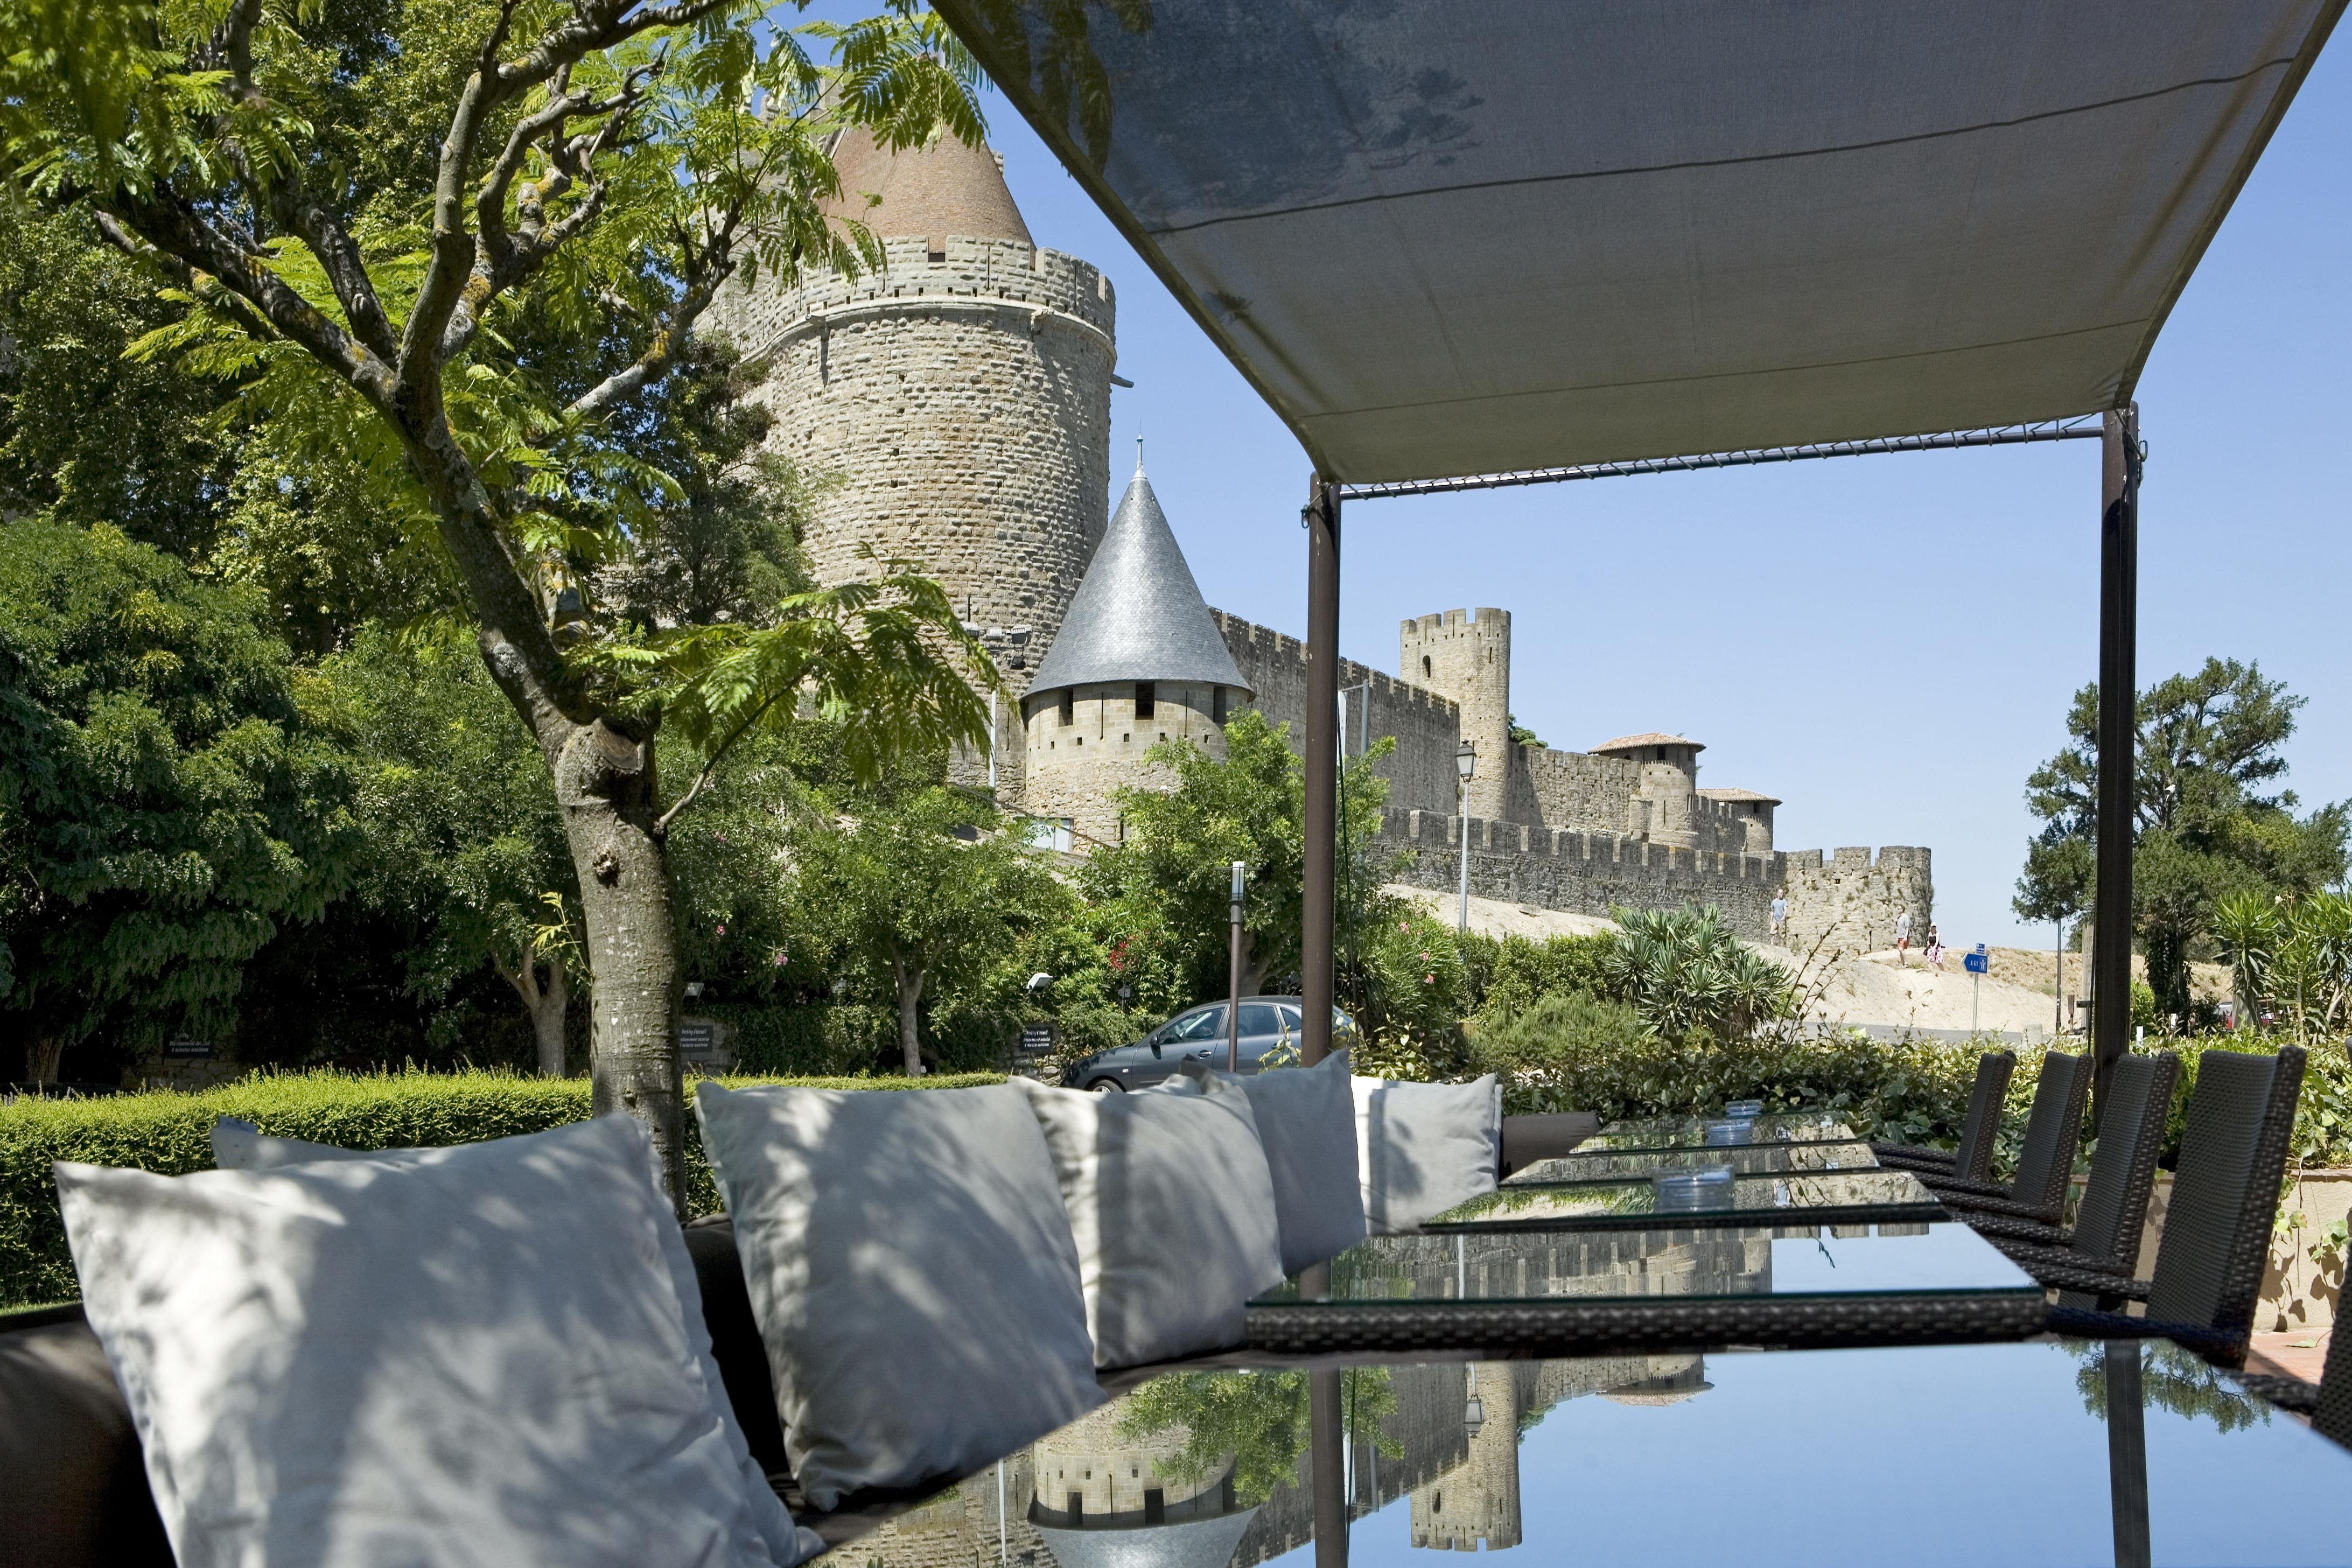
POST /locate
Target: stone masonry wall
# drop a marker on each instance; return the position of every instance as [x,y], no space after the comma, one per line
[1575,790]
[1853,899]
[952,407]
[1427,726]
[1583,873]
[1076,769]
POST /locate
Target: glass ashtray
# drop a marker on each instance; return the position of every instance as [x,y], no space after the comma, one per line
[1743,1109]
[1727,1132]
[1687,1191]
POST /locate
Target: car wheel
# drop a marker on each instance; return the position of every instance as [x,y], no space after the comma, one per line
[1108,1086]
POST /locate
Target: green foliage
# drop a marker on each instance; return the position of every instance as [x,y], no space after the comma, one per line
[170,791]
[168,1134]
[2207,820]
[925,895]
[85,434]
[1683,971]
[464,843]
[1515,971]
[2171,1379]
[1550,1032]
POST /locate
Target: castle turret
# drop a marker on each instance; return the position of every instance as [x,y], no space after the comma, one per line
[1477,1502]
[952,407]
[1469,661]
[1747,818]
[1669,783]
[1139,660]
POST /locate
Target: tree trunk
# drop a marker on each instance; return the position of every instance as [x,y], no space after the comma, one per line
[605,785]
[41,1059]
[548,1006]
[911,994]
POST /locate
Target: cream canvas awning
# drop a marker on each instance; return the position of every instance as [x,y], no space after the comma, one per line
[1447,238]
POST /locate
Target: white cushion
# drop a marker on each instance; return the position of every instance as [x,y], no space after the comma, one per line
[1424,1148]
[459,1356]
[913,1275]
[241,1146]
[1172,1208]
[1307,1123]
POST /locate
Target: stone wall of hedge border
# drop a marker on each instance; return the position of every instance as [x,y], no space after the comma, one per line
[169,1133]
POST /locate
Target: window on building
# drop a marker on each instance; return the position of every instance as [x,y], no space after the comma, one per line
[1147,695]
[1070,705]
[1425,666]
[1662,753]
[1217,706]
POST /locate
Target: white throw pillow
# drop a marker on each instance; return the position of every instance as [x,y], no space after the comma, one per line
[241,1146]
[1307,1123]
[1172,1208]
[1424,1148]
[459,1356]
[912,1273]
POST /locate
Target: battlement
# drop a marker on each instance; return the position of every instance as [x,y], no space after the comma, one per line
[991,274]
[1254,646]
[1857,858]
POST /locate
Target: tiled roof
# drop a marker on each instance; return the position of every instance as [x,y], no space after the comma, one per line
[1738,794]
[1628,742]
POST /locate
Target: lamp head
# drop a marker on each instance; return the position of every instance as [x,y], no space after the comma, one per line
[1465,761]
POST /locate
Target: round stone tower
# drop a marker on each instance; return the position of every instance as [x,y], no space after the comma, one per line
[953,408]
[1469,661]
[1138,661]
[1668,772]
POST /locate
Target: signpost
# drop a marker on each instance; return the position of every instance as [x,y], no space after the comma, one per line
[1036,1039]
[697,1037]
[186,1050]
[1977,963]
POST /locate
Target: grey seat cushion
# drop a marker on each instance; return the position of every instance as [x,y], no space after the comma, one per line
[1527,1139]
[73,1487]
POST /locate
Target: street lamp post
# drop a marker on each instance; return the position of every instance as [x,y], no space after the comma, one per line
[1233,1004]
[1466,762]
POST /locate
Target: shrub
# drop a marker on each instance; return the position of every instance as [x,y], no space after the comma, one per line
[1516,972]
[169,1133]
[1550,1032]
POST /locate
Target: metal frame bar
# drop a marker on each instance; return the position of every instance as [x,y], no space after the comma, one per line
[2110,909]
[2081,428]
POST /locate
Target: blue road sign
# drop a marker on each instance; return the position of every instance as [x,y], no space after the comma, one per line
[1977,962]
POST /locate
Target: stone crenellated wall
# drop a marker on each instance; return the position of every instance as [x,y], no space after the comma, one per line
[1427,727]
[952,407]
[1583,873]
[1851,899]
[1576,790]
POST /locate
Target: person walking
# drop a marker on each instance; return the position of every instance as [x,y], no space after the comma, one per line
[1780,918]
[1903,940]
[1934,948]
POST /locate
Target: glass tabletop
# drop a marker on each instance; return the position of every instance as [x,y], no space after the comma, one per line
[1691,1132]
[2057,1454]
[1764,1260]
[1610,1165]
[1863,1196]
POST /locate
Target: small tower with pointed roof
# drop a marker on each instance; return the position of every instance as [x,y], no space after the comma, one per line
[951,408]
[1138,661]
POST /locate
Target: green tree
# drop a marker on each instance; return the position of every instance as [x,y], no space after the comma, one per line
[923,890]
[86,432]
[172,791]
[365,212]
[2207,820]
[1171,874]
[465,847]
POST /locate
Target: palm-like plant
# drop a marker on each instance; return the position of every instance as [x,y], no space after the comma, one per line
[1683,970]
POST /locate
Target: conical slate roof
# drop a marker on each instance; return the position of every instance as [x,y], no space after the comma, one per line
[1137,615]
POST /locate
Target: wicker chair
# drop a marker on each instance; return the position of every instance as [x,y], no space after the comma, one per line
[2115,1200]
[2217,1229]
[2046,1160]
[1972,1161]
[2328,1402]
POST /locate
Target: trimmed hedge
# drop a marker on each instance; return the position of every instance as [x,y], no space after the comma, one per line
[169,1133]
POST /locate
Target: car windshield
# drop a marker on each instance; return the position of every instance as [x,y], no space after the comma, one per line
[1206,1024]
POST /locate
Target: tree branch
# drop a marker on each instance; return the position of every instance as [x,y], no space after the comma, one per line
[202,285]
[710,768]
[176,229]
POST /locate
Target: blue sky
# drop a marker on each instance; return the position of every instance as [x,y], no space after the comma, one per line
[1888,643]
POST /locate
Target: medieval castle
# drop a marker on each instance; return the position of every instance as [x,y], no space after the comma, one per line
[957,404]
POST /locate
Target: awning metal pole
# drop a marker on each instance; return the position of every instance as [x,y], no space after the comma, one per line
[2118,703]
[1322,815]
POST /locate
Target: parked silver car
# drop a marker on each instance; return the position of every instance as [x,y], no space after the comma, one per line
[1267,1022]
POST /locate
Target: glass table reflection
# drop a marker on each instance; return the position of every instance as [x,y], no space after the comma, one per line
[1617,1165]
[2056,1453]
[1559,1291]
[1850,1197]
[1692,1131]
